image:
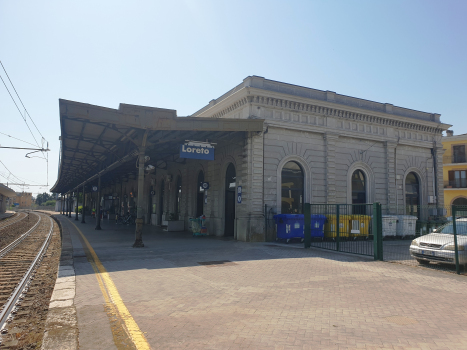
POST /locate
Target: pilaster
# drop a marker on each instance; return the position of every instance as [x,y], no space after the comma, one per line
[439,152]
[330,140]
[390,173]
[250,217]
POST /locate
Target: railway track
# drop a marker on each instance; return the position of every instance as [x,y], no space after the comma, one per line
[18,262]
[13,219]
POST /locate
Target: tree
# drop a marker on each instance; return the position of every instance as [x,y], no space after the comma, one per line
[43,197]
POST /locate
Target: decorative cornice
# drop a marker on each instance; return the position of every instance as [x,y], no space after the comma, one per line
[243,101]
[340,113]
[323,111]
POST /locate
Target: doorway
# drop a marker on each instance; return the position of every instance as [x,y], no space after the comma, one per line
[200,195]
[230,196]
[412,195]
[150,206]
[161,201]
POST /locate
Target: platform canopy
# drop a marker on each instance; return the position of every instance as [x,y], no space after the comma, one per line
[7,191]
[104,141]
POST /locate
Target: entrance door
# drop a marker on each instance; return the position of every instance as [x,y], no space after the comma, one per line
[200,195]
[412,195]
[230,196]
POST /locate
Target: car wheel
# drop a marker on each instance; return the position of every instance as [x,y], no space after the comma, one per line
[423,262]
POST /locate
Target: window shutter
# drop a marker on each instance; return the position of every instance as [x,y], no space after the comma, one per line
[451,175]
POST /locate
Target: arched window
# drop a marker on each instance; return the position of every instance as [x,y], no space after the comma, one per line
[200,195]
[459,201]
[412,194]
[292,188]
[461,204]
[358,192]
[178,195]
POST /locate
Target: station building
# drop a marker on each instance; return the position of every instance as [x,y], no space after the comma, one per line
[276,147]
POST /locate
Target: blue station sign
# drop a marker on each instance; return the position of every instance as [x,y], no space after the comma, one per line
[196,152]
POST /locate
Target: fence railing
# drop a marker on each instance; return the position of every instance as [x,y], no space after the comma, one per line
[433,236]
[339,227]
[454,159]
[458,183]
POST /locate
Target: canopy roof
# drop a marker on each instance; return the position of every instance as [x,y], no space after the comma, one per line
[97,140]
[7,191]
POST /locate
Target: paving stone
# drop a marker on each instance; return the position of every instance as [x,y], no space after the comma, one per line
[263,296]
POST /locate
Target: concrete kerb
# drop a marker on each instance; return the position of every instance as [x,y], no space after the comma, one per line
[61,329]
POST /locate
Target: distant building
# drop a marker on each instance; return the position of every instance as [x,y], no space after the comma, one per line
[24,199]
[455,169]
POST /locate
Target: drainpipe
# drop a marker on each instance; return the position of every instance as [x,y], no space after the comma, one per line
[435,178]
[395,178]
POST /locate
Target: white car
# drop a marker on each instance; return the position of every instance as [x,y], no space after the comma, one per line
[439,245]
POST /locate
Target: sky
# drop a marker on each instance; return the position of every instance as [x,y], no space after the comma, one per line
[182,54]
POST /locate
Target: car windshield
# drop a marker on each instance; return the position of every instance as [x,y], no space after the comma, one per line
[461,228]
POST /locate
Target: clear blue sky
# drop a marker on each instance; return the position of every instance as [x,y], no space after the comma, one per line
[181,54]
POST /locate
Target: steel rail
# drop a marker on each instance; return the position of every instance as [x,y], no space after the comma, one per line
[20,288]
[19,239]
[14,221]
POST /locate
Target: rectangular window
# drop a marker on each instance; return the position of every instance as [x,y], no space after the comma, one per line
[458,153]
[458,178]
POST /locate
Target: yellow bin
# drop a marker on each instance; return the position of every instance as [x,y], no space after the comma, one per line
[330,226]
[360,225]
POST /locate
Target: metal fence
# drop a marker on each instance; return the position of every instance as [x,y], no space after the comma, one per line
[425,235]
[432,236]
[340,227]
[346,227]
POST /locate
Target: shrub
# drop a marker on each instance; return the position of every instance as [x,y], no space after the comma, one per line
[49,203]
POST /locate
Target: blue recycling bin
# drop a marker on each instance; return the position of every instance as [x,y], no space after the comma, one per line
[317,225]
[289,226]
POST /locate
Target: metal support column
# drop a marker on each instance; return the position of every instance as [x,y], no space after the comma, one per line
[61,204]
[139,211]
[98,205]
[77,204]
[84,206]
[71,205]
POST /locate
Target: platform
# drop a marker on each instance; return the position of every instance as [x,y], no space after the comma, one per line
[6,215]
[181,292]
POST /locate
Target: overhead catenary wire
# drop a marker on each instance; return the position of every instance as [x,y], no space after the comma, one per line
[46,158]
[21,100]
[10,173]
[19,111]
[20,179]
[29,143]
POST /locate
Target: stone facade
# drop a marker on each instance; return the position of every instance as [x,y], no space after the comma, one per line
[328,134]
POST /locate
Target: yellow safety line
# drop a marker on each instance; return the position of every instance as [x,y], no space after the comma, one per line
[136,335]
